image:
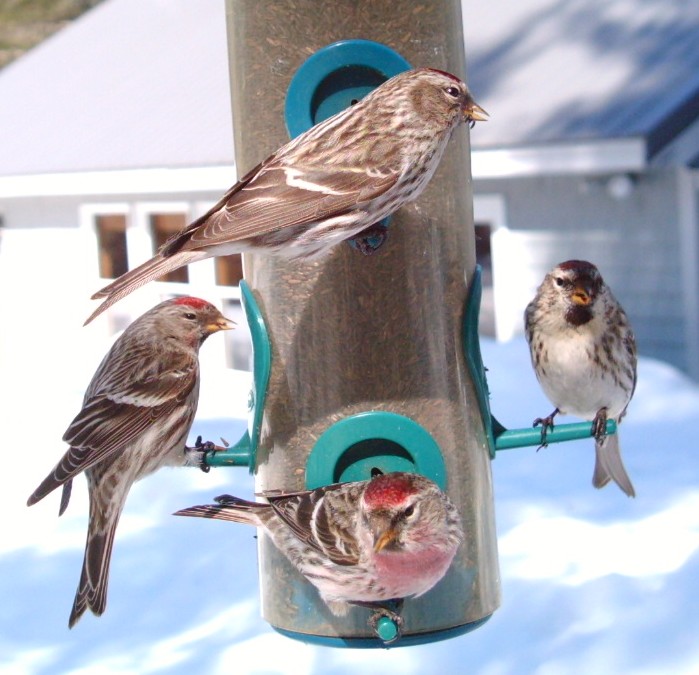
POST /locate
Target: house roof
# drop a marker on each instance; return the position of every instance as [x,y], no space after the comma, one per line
[143,83]
[552,70]
[131,84]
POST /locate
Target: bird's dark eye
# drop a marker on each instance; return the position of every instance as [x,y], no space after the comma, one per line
[560,282]
[190,315]
[453,92]
[409,511]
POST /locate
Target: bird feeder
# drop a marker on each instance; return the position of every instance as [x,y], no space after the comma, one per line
[365,363]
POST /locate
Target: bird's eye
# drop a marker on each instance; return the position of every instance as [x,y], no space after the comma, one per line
[453,92]
[560,282]
[190,315]
[409,511]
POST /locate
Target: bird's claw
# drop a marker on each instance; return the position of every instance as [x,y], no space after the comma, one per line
[201,450]
[546,424]
[599,425]
[370,240]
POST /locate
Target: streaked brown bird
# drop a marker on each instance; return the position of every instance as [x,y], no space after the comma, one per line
[365,543]
[135,418]
[329,184]
[584,354]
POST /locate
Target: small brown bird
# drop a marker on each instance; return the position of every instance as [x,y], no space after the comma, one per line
[135,418]
[584,355]
[365,543]
[329,184]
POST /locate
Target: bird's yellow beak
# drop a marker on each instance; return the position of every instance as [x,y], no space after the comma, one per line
[581,296]
[221,324]
[474,113]
[386,538]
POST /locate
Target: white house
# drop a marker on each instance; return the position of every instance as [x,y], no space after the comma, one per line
[117,130]
[591,152]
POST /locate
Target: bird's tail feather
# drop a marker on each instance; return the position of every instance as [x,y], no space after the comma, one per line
[141,275]
[73,462]
[61,474]
[228,508]
[609,465]
[94,578]
[65,496]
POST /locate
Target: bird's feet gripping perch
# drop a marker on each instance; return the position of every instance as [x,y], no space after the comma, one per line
[199,454]
[546,425]
[371,239]
[599,425]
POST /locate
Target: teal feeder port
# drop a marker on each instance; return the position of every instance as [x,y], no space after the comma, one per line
[336,77]
[360,446]
[474,360]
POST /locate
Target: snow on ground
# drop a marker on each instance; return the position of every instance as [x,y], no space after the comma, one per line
[593,582]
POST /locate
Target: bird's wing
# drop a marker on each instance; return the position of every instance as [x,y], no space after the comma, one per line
[118,408]
[150,372]
[116,416]
[630,345]
[275,196]
[124,407]
[313,520]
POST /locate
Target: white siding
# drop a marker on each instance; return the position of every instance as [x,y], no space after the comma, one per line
[635,241]
[48,271]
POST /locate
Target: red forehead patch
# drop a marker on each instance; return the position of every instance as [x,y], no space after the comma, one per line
[389,490]
[445,73]
[577,265]
[189,301]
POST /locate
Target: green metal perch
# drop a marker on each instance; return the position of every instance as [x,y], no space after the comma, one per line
[506,439]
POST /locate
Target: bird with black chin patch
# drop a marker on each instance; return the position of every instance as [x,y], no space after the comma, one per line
[584,354]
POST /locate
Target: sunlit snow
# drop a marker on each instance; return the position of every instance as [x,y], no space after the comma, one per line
[592,581]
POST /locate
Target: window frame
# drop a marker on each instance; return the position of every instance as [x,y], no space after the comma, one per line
[139,244]
[491,209]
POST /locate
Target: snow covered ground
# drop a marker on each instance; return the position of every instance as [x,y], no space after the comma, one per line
[593,582]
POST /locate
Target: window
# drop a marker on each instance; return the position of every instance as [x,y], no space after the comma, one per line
[238,342]
[163,226]
[111,244]
[499,315]
[121,235]
[229,270]
[486,321]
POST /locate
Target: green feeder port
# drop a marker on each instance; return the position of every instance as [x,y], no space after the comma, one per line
[336,77]
[360,446]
